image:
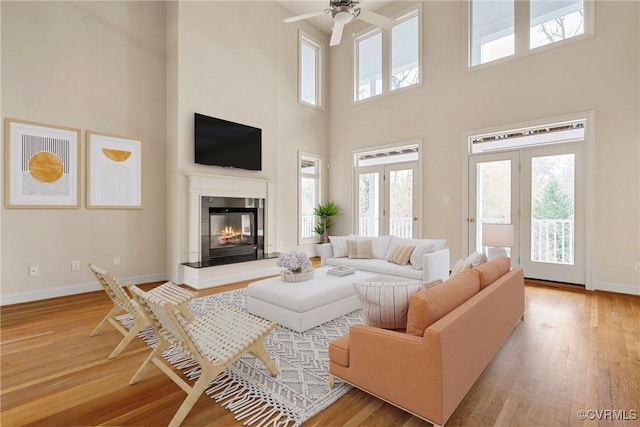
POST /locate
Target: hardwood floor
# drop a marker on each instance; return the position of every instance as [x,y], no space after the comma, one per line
[575,350]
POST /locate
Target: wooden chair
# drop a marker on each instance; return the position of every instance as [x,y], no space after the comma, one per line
[124,303]
[214,340]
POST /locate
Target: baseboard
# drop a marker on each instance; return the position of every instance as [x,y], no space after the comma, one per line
[619,288]
[73,290]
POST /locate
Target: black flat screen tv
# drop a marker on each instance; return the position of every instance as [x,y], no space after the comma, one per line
[223,143]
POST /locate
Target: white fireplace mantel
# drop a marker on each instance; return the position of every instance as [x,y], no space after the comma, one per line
[201,185]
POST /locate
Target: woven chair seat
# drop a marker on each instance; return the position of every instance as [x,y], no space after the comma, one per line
[214,340]
[224,333]
[123,303]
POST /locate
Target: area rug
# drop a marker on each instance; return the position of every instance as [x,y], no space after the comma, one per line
[247,389]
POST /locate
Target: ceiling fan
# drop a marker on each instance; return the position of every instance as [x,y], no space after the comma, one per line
[343,12]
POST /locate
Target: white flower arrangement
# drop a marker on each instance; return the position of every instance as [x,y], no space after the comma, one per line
[294,261]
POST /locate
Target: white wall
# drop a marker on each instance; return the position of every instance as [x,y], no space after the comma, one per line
[599,73]
[95,66]
[238,61]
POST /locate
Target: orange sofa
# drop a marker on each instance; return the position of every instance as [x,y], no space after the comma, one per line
[463,320]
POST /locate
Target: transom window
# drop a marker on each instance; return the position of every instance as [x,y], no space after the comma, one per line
[383,65]
[310,67]
[504,28]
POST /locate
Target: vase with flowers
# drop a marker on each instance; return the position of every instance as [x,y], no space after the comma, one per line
[297,266]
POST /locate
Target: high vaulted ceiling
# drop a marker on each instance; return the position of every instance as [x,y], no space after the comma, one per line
[324,22]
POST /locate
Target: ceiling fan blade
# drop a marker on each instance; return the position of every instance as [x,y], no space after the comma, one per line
[336,35]
[305,16]
[376,19]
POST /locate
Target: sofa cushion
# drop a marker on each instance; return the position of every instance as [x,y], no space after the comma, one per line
[359,248]
[380,266]
[385,304]
[339,246]
[401,254]
[339,350]
[430,305]
[379,244]
[417,256]
[438,244]
[491,271]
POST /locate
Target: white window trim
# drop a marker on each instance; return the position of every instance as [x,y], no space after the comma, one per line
[386,55]
[303,37]
[589,140]
[418,178]
[521,36]
[319,191]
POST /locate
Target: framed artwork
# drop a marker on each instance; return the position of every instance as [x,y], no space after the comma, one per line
[42,165]
[114,172]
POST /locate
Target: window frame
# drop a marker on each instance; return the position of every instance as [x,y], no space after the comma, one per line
[522,33]
[305,39]
[399,20]
[408,13]
[318,176]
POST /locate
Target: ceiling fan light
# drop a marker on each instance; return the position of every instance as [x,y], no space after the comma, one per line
[342,17]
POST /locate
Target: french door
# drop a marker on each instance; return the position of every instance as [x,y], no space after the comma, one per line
[387,200]
[541,191]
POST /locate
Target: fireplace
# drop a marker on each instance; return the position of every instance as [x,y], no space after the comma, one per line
[232,230]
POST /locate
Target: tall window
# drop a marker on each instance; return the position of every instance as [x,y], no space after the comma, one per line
[369,57]
[310,72]
[309,172]
[405,53]
[383,65]
[503,28]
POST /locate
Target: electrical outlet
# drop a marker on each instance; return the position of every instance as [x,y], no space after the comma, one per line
[116,260]
[33,270]
[75,265]
[446,200]
[637,266]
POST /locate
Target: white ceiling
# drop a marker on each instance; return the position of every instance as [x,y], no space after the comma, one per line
[324,22]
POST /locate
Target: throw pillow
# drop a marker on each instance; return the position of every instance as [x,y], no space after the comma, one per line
[491,271]
[379,244]
[459,267]
[430,305]
[385,304]
[476,259]
[339,246]
[359,248]
[417,255]
[401,254]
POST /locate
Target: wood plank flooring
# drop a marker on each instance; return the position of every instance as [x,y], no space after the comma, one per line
[575,350]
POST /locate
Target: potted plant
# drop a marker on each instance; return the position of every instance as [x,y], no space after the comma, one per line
[324,213]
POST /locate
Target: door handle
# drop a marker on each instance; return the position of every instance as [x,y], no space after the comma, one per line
[471,219]
[415,218]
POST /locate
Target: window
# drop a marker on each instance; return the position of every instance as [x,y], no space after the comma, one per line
[369,57]
[383,65]
[504,28]
[310,72]
[492,35]
[405,53]
[552,21]
[309,172]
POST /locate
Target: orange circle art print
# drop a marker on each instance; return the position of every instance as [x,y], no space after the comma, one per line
[46,167]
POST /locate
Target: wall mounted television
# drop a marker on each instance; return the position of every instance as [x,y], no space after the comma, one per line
[223,143]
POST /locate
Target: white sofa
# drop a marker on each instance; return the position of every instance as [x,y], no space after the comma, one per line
[429,260]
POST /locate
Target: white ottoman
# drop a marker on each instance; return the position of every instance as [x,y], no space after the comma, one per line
[304,305]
